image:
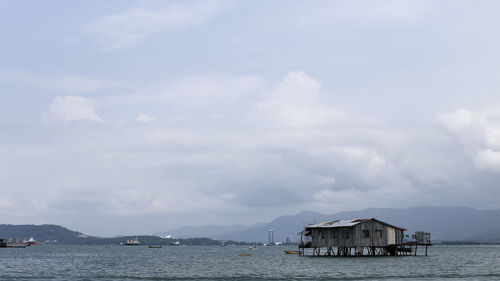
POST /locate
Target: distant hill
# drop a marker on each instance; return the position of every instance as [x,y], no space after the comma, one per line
[444,223]
[39,232]
[57,234]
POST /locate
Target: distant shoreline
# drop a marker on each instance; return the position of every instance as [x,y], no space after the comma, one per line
[464,243]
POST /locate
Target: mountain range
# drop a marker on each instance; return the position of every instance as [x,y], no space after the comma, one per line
[444,224]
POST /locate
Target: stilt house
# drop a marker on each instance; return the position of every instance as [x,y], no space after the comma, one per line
[354,237]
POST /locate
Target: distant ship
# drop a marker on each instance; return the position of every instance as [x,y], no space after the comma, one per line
[175,243]
[17,244]
[133,242]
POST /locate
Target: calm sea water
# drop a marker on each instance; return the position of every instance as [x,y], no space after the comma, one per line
[50,262]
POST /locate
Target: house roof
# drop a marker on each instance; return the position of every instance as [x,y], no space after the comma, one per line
[347,223]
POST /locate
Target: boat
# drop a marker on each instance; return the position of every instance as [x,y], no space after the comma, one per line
[252,247]
[244,254]
[292,252]
[154,246]
[2,244]
[133,242]
[175,243]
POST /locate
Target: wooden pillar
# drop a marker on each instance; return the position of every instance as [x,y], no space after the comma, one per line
[426,250]
[416,245]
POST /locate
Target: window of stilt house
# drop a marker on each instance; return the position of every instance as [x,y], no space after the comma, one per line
[365,233]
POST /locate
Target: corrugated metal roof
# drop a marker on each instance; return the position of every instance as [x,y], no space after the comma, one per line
[346,223]
[336,223]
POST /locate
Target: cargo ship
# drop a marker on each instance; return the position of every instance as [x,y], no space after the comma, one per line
[133,242]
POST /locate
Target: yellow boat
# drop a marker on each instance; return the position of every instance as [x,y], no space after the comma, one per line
[292,252]
[244,255]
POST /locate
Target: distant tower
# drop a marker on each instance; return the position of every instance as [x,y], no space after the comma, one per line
[271,236]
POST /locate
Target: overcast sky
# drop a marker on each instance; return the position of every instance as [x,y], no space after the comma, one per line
[131,117]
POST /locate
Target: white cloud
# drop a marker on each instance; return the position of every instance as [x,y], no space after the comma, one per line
[72,108]
[145,118]
[295,102]
[130,27]
[480,134]
[468,125]
[488,159]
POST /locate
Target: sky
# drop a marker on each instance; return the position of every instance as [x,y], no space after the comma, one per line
[133,117]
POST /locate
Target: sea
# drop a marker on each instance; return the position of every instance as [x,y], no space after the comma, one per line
[58,262]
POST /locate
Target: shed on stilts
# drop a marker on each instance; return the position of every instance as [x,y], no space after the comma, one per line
[358,237]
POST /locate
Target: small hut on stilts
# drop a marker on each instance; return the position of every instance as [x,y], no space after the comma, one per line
[358,237]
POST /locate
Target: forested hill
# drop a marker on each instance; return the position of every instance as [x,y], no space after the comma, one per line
[56,234]
[39,232]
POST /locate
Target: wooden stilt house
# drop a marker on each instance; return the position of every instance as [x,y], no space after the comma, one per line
[357,237]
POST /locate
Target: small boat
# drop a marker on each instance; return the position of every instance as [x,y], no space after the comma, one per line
[175,243]
[154,246]
[292,252]
[244,254]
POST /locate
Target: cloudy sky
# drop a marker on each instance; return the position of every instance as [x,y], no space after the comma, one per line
[129,117]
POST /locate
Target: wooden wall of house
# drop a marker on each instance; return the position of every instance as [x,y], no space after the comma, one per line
[333,237]
[373,228]
[400,234]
